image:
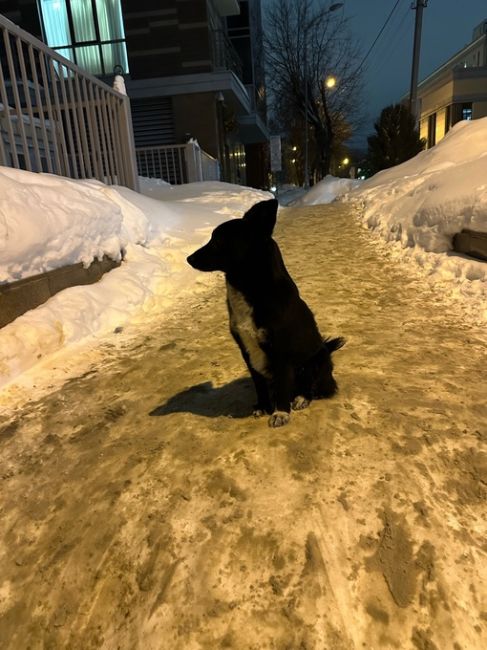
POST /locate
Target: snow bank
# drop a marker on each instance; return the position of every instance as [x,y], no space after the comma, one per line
[47,221]
[428,199]
[327,190]
[420,205]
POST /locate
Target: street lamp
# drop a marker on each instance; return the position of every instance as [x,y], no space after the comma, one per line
[330,82]
[333,7]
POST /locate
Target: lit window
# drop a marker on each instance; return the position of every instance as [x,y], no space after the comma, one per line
[83,20]
[110,21]
[56,25]
[88,32]
[88,58]
[467,112]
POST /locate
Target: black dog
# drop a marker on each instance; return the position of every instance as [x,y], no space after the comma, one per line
[276,332]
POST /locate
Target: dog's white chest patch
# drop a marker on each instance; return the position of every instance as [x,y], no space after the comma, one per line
[242,321]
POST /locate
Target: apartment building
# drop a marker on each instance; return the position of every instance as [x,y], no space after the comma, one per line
[456,91]
[192,68]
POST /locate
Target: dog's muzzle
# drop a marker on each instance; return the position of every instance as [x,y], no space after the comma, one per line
[190,260]
[204,260]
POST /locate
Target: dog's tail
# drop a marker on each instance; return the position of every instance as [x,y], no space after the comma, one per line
[334,344]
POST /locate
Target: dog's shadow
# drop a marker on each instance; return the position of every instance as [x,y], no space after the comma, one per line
[232,400]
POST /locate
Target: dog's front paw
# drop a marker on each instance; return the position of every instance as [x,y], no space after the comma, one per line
[279,419]
[261,408]
[300,403]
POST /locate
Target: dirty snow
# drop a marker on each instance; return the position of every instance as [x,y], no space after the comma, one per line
[47,222]
[418,206]
[143,507]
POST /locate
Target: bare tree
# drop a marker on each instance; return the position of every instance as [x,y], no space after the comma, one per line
[306,45]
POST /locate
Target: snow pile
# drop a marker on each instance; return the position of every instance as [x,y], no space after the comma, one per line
[426,200]
[422,203]
[47,222]
[288,194]
[327,190]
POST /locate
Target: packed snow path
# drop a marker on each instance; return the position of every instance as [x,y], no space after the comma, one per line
[142,508]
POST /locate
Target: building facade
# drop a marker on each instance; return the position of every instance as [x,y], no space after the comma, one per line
[192,68]
[455,91]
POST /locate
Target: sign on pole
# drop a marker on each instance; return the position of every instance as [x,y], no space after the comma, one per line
[276,158]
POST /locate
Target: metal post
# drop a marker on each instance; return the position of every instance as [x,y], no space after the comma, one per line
[28,103]
[110,161]
[114,107]
[59,119]
[413,95]
[43,59]
[11,144]
[94,131]
[17,106]
[128,143]
[73,166]
[221,134]
[190,160]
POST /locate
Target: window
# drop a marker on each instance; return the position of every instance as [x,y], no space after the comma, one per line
[447,119]
[467,111]
[432,130]
[88,32]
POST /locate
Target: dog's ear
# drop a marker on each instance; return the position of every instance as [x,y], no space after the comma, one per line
[263,216]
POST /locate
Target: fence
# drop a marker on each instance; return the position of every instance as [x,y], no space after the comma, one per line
[225,56]
[56,118]
[177,164]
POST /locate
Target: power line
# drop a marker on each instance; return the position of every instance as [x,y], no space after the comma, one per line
[393,41]
[378,35]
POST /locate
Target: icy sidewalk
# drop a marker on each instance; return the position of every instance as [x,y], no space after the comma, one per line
[143,508]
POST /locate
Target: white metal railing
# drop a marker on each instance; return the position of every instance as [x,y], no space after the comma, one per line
[57,118]
[177,163]
[210,167]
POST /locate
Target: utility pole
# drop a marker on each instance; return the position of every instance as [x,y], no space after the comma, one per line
[413,94]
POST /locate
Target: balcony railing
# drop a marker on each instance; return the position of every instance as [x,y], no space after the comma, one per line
[225,56]
[177,164]
[56,118]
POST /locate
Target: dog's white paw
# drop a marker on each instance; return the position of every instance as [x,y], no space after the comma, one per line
[279,419]
[300,403]
[258,413]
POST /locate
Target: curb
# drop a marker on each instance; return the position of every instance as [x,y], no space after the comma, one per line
[18,297]
[471,243]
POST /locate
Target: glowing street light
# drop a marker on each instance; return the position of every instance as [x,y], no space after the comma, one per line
[330,82]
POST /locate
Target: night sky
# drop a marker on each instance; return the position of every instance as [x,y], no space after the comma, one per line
[447,28]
